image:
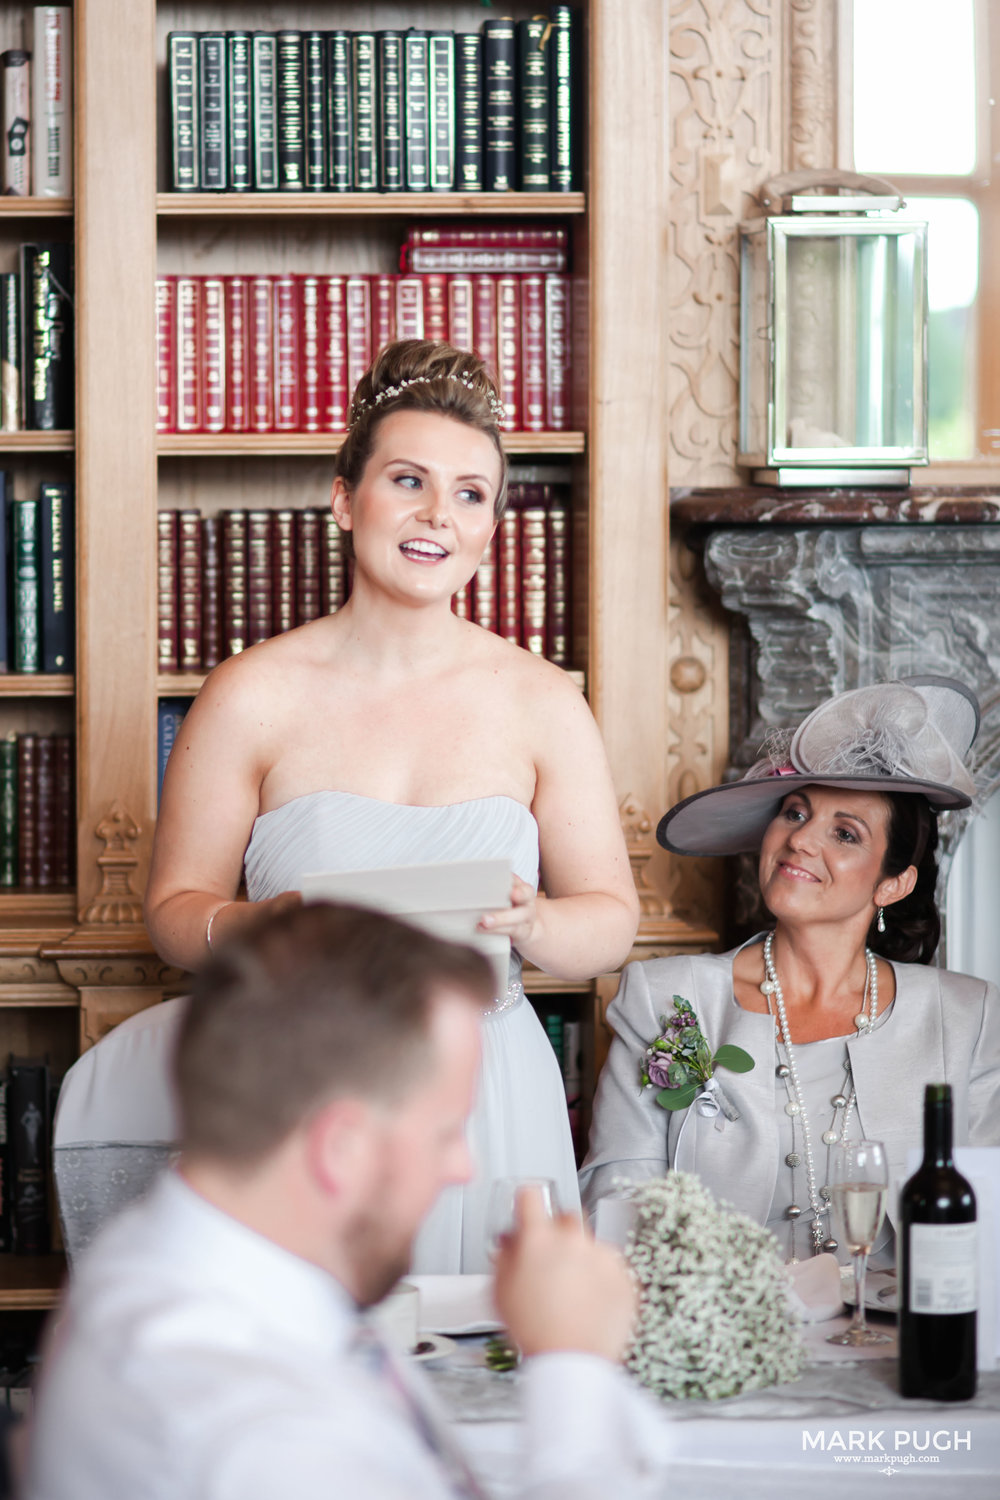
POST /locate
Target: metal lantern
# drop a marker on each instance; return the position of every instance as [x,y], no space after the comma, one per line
[833,334]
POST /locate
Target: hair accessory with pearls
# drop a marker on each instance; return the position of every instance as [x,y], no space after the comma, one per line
[390,392]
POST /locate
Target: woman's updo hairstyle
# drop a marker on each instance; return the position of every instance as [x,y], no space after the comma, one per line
[422,375]
[912,926]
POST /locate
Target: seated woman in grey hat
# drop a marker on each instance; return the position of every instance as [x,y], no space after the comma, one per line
[834,1019]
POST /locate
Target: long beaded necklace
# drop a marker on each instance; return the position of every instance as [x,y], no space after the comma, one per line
[796,1108]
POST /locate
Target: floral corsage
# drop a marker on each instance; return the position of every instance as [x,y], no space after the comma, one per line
[681,1065]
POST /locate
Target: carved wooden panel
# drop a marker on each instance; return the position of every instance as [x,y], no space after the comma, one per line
[815,99]
[116,901]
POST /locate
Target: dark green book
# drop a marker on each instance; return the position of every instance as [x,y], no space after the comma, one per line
[441,74]
[11,402]
[212,111]
[314,64]
[469,112]
[238,85]
[389,61]
[290,71]
[263,108]
[500,105]
[8,811]
[416,90]
[365,107]
[563,84]
[57,596]
[340,129]
[47,341]
[182,73]
[25,573]
[534,109]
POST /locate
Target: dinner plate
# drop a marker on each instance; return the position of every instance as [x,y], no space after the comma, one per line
[431,1346]
[880,1290]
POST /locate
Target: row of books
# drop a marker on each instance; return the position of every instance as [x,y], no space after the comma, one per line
[284,353]
[37,820]
[228,581]
[36,340]
[36,98]
[25,1115]
[375,111]
[37,579]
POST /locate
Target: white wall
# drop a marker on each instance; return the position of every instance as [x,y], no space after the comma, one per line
[974,898]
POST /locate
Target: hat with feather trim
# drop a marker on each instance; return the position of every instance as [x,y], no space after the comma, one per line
[913,735]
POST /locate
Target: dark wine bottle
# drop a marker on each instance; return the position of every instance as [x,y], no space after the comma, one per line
[939,1267]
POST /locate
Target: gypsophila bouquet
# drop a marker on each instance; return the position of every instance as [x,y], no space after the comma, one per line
[680,1064]
[714,1316]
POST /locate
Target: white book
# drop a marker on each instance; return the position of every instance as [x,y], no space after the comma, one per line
[52,102]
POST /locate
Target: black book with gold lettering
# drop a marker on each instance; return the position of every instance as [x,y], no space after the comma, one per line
[238,110]
[314,110]
[533,105]
[47,322]
[500,105]
[389,56]
[213,134]
[364,103]
[339,116]
[416,95]
[563,85]
[182,82]
[264,111]
[28,1139]
[468,112]
[290,72]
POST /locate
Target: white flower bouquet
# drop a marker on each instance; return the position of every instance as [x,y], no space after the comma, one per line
[714,1317]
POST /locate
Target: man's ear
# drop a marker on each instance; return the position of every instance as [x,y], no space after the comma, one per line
[340,504]
[895,887]
[339,1141]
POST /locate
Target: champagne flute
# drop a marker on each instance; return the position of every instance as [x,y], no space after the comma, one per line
[859,1185]
[500,1215]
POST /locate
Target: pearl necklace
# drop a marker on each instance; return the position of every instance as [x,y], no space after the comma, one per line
[795,1107]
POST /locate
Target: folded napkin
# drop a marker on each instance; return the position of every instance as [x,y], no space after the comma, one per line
[456,1304]
[814,1288]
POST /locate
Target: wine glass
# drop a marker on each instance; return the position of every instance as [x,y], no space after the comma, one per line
[500,1217]
[859,1184]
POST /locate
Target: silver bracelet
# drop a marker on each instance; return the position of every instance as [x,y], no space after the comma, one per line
[211,918]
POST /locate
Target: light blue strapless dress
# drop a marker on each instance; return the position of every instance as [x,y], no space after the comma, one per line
[519,1126]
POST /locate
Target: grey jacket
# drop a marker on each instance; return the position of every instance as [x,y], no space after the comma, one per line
[943,1027]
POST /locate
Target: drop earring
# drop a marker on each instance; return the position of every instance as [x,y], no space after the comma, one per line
[880,920]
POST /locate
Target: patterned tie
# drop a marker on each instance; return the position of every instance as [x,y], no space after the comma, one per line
[388,1369]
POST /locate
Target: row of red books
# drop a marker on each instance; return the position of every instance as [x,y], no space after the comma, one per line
[284,353]
[37,819]
[230,580]
[485,247]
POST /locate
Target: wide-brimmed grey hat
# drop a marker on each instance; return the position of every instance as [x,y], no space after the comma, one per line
[913,735]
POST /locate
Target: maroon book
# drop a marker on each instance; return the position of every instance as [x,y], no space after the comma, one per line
[509,349]
[509,576]
[166,591]
[334,392]
[309,353]
[211,592]
[533,353]
[234,575]
[559,579]
[287,355]
[45,818]
[490,236]
[579,325]
[534,577]
[484,591]
[283,571]
[435,307]
[64,852]
[308,595]
[359,330]
[261,354]
[190,408]
[409,307]
[333,566]
[430,258]
[461,328]
[237,353]
[166,353]
[189,590]
[260,609]
[484,321]
[213,291]
[558,354]
[383,291]
[27,811]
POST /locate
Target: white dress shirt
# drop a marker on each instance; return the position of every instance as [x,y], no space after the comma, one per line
[197,1360]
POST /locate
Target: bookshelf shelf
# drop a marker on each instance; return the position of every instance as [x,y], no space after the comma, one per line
[366,205]
[43,908]
[37,442]
[36,208]
[29,1282]
[36,685]
[283,444]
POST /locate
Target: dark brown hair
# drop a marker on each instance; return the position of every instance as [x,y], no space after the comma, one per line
[912,926]
[449,382]
[313,1003]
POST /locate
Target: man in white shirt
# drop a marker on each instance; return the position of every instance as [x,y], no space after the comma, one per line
[212,1345]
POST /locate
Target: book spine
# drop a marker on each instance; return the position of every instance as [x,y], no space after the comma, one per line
[309,354]
[308,601]
[461,328]
[572,1071]
[509,348]
[534,105]
[213,354]
[364,108]
[340,129]
[490,236]
[182,83]
[234,572]
[499,105]
[189,354]
[579,336]
[260,608]
[441,76]
[484,598]
[189,590]
[562,135]
[435,307]
[261,354]
[558,545]
[237,345]
[166,353]
[359,328]
[485,325]
[558,356]
[214,134]
[169,718]
[469,258]
[28,1127]
[509,576]
[52,102]
[283,591]
[534,579]
[416,95]
[15,177]
[264,111]
[409,307]
[238,112]
[314,66]
[333,565]
[533,353]
[389,58]
[8,812]
[211,592]
[45,827]
[11,353]
[333,354]
[57,580]
[290,116]
[27,812]
[64,846]
[25,564]
[286,354]
[49,288]
[383,287]
[166,591]
[469,112]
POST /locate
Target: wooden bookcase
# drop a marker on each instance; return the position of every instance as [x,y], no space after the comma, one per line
[71,967]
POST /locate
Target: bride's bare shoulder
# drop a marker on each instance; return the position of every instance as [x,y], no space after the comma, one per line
[265,675]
